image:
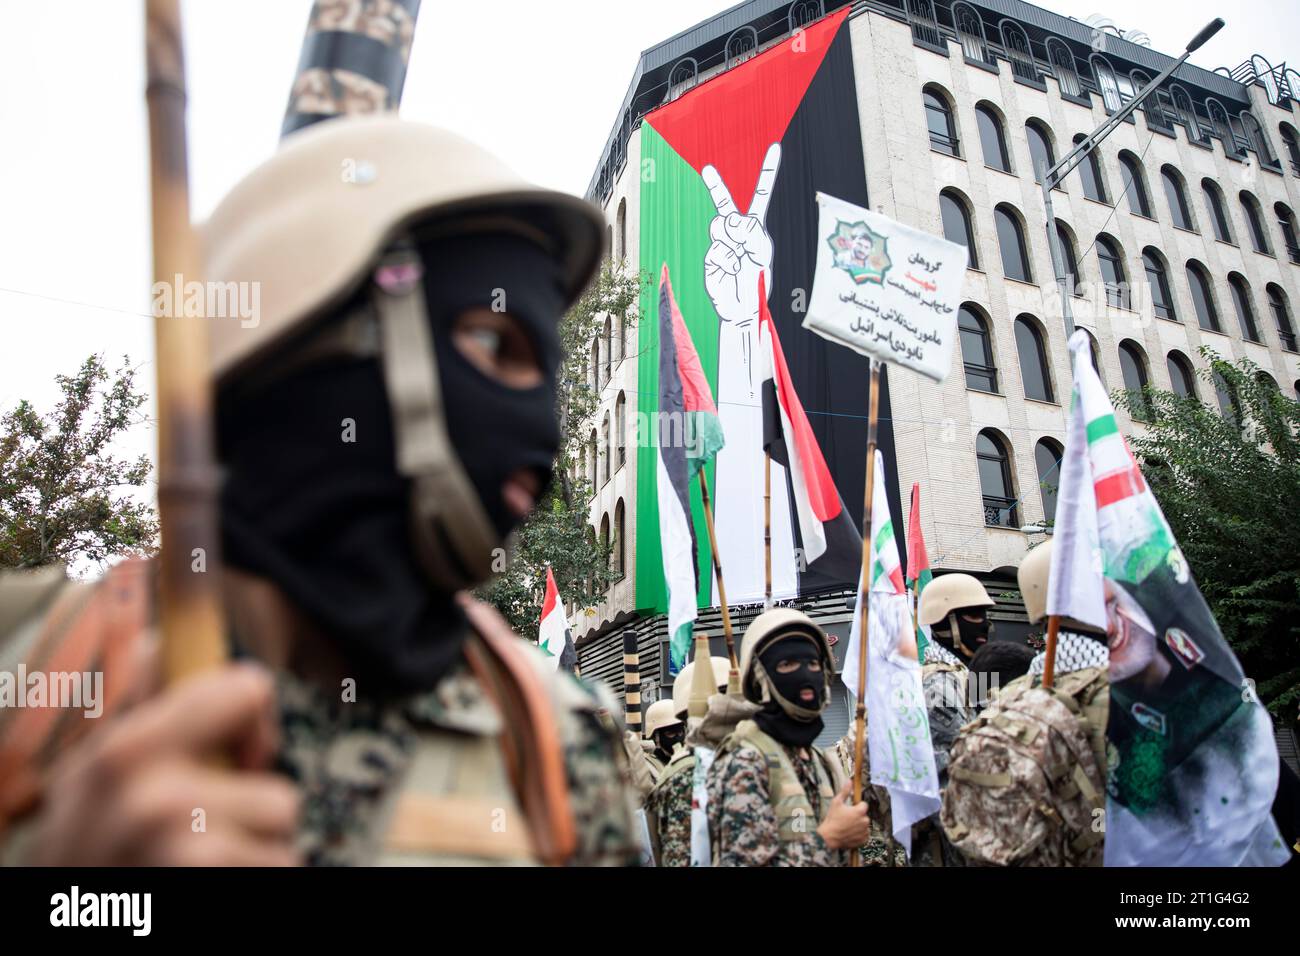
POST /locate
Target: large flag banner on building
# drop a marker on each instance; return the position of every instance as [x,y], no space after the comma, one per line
[687,436]
[918,567]
[727,174]
[828,545]
[886,290]
[898,729]
[1194,765]
[553,634]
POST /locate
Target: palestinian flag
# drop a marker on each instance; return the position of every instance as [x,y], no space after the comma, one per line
[1195,766]
[898,735]
[688,435]
[729,171]
[553,635]
[826,535]
[918,566]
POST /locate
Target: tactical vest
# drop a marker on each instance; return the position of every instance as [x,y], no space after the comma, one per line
[794,813]
[465,799]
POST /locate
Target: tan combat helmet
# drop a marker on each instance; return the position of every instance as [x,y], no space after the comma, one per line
[660,714]
[1033,575]
[947,594]
[324,219]
[770,626]
[682,682]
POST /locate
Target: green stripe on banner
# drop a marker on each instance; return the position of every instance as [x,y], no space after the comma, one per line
[676,210]
[679,648]
[884,534]
[1102,426]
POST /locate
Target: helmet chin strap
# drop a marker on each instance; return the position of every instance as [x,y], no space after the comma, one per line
[956,635]
[453,536]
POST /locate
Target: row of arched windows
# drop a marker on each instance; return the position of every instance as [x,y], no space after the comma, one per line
[607,453]
[617,544]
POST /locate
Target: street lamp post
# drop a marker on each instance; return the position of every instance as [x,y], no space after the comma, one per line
[1051,178]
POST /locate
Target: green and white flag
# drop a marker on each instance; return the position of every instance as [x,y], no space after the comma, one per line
[1193,764]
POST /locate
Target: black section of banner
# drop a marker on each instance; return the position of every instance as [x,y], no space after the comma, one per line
[821,151]
[672,419]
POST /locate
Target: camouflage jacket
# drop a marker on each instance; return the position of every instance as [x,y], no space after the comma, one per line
[669,805]
[743,828]
[943,681]
[876,852]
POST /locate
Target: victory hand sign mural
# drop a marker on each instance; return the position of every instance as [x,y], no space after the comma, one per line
[741,247]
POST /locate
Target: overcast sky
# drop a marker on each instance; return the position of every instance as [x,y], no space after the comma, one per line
[538,83]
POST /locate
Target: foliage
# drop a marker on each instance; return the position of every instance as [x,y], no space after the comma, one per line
[64,495]
[1228,481]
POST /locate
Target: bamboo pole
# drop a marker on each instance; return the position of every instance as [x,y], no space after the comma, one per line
[189,595]
[1049,662]
[631,681]
[767,531]
[860,742]
[733,679]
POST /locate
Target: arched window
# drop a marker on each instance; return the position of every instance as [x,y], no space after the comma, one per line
[1135,185]
[1040,148]
[1071,263]
[804,13]
[1268,381]
[1255,222]
[1047,457]
[1258,139]
[684,75]
[1286,223]
[1291,143]
[620,428]
[1111,261]
[1094,353]
[1198,281]
[1133,366]
[992,140]
[620,541]
[994,463]
[607,448]
[1218,211]
[1226,396]
[938,118]
[1277,304]
[956,223]
[1094,183]
[976,350]
[593,457]
[741,45]
[1241,302]
[1033,360]
[1062,60]
[622,230]
[1016,42]
[609,242]
[609,349]
[970,30]
[1187,114]
[1011,239]
[604,539]
[1177,197]
[924,26]
[620,338]
[1104,76]
[595,362]
[591,543]
[1162,299]
[1222,127]
[1181,377]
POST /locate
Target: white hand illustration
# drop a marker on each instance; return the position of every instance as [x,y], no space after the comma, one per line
[741,247]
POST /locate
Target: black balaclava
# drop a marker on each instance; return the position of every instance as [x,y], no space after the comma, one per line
[317,506]
[667,738]
[772,719]
[974,634]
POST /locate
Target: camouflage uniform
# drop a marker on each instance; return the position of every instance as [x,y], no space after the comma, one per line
[743,828]
[943,680]
[876,852]
[669,806]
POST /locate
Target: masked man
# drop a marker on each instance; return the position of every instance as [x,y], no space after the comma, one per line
[382,427]
[774,799]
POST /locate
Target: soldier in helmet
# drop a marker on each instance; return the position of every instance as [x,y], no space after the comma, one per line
[774,799]
[666,731]
[955,607]
[668,807]
[383,425]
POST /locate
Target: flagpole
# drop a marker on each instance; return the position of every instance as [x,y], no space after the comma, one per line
[859,744]
[1049,662]
[733,679]
[767,531]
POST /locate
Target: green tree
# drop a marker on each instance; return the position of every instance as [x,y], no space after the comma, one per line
[1228,481]
[557,533]
[64,495]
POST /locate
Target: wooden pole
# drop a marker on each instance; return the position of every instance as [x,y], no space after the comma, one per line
[631,681]
[1049,662]
[767,531]
[733,681]
[189,592]
[860,741]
